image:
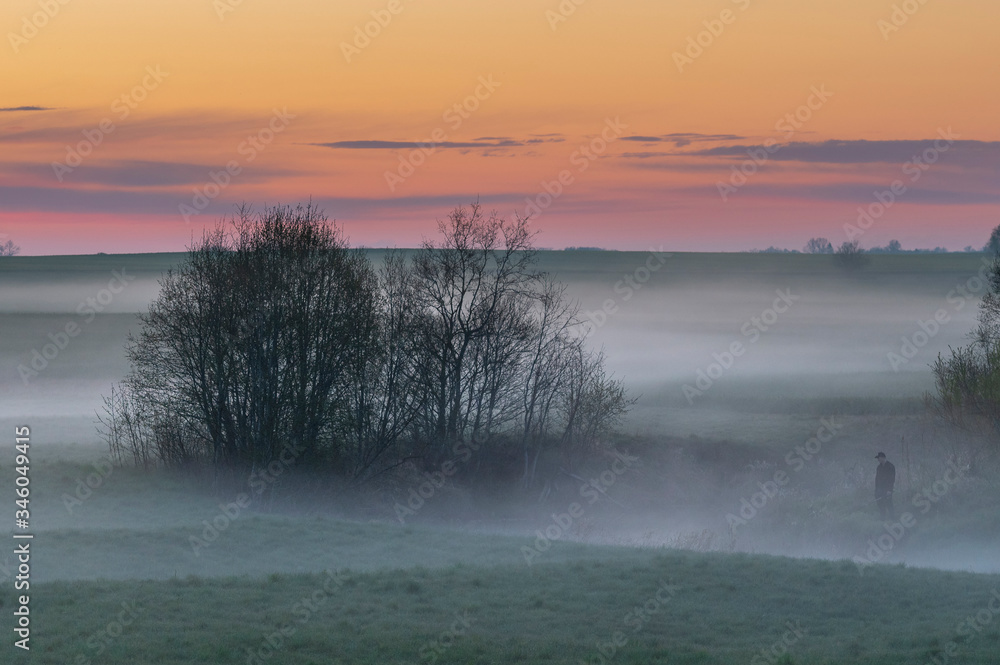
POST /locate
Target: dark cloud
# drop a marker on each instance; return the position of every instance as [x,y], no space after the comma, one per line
[981,153]
[860,193]
[25,108]
[481,142]
[402,145]
[681,139]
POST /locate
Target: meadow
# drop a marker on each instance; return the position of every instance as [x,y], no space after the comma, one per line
[134,566]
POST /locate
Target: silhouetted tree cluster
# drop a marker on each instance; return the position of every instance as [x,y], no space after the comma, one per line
[276,339]
[818,246]
[774,250]
[893,247]
[850,256]
[9,249]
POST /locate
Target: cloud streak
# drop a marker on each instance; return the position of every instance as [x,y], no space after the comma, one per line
[681,139]
[13,109]
[482,142]
[980,153]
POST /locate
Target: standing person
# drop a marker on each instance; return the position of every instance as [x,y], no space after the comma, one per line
[885,479]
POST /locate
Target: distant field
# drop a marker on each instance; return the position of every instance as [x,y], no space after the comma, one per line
[663,327]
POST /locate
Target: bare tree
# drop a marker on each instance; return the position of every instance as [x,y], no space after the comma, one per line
[470,285]
[249,348]
[818,246]
[504,349]
[9,249]
[386,396]
[850,256]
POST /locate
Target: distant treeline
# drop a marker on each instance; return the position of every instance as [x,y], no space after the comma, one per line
[824,246]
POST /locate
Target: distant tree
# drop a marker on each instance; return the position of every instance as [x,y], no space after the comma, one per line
[850,256]
[775,250]
[9,249]
[894,247]
[967,381]
[818,246]
[969,248]
[993,244]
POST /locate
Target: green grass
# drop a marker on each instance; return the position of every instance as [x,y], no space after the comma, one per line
[722,609]
[404,586]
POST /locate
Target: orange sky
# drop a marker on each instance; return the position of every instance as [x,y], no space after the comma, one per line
[163,94]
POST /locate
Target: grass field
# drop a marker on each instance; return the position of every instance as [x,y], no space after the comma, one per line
[323,574]
[596,604]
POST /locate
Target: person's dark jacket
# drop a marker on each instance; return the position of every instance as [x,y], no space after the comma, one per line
[885,479]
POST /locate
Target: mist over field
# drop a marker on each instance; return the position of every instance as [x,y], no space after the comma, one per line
[764,386]
[714,424]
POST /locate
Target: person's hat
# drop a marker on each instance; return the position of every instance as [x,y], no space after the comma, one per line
[880,455]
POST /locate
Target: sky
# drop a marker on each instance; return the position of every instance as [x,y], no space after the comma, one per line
[695,125]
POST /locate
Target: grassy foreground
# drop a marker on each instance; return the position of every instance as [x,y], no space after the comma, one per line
[659,606]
